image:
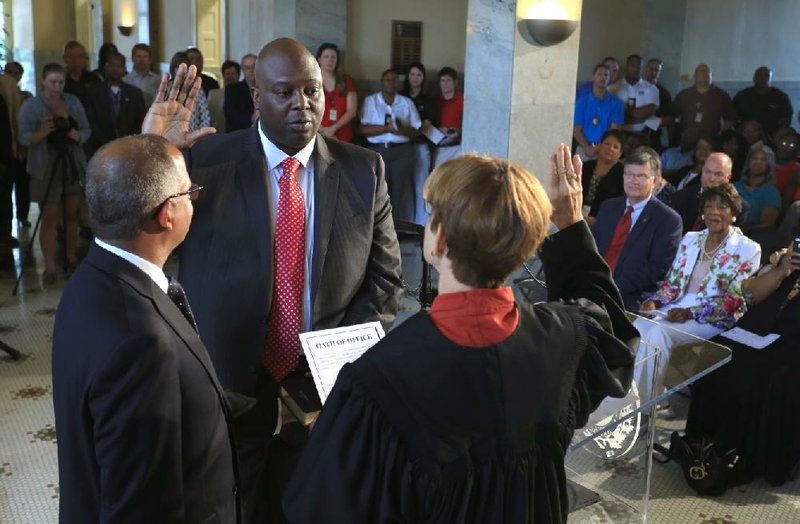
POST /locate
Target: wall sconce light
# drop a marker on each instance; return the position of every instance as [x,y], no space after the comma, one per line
[549,32]
[547,22]
[125,30]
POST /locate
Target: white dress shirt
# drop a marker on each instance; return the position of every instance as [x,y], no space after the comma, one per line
[640,94]
[305,179]
[637,210]
[150,269]
[403,111]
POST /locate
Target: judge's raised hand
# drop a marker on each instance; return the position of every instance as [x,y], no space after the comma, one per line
[170,112]
[564,188]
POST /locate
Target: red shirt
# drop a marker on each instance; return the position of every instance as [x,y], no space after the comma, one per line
[451,112]
[476,318]
[782,174]
[336,105]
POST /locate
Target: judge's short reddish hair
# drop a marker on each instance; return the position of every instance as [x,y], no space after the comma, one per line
[495,214]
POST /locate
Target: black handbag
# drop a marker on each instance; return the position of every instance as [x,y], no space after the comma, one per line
[706,470]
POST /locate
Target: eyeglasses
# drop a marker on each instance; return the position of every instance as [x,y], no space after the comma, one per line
[789,144]
[641,177]
[193,192]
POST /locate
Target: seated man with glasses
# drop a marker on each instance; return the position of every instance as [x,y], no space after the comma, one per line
[637,234]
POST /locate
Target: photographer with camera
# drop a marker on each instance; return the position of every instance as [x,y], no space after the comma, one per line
[53,125]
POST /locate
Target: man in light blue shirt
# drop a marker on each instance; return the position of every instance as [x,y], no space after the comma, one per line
[595,113]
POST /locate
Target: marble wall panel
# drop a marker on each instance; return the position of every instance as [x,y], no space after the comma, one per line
[488,76]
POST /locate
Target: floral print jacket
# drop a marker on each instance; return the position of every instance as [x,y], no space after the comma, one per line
[720,300]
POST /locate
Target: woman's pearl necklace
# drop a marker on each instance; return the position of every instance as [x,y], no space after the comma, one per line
[710,254]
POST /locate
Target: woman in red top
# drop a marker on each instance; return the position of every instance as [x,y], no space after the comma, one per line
[341,102]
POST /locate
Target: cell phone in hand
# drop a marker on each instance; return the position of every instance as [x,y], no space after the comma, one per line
[796,245]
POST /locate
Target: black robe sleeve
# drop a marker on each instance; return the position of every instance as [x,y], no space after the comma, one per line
[354,468]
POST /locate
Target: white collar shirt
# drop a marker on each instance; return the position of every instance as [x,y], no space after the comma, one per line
[150,269]
[305,179]
[376,111]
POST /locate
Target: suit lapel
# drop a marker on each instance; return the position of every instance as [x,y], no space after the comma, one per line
[251,176]
[142,284]
[326,188]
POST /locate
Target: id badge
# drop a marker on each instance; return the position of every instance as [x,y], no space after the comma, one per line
[332,114]
[698,117]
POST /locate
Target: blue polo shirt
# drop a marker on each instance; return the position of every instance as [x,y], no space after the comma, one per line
[597,114]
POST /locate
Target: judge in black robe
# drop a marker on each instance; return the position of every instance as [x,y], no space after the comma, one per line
[445,422]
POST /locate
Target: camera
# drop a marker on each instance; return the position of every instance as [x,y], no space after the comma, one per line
[61,124]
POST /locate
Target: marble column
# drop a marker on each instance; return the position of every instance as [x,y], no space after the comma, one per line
[488,76]
[519,96]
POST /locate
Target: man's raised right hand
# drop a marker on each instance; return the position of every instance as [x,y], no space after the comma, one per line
[170,113]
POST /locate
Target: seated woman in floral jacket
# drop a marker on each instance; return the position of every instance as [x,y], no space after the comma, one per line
[702,294]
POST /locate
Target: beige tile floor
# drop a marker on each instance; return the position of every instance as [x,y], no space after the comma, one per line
[28,471]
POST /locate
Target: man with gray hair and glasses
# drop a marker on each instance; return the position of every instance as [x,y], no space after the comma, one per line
[144,428]
[637,234]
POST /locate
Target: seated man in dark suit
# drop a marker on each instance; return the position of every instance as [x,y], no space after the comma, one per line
[144,428]
[294,234]
[114,109]
[637,234]
[238,106]
[717,170]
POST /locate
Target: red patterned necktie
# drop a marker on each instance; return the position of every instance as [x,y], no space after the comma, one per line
[282,348]
[618,241]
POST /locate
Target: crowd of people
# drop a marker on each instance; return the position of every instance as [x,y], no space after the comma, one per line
[669,217]
[686,199]
[78,111]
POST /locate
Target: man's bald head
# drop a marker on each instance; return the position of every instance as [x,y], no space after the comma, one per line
[127,180]
[717,170]
[283,49]
[289,94]
[762,77]
[702,75]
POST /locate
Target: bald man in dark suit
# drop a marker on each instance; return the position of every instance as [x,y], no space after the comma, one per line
[347,254]
[144,427]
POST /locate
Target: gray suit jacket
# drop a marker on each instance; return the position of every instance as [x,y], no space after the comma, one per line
[226,260]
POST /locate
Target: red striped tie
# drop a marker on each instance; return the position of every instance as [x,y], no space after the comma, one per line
[282,349]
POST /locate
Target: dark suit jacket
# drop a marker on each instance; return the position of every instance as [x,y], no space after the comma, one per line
[686,203]
[649,249]
[143,425]
[226,259]
[100,113]
[238,107]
